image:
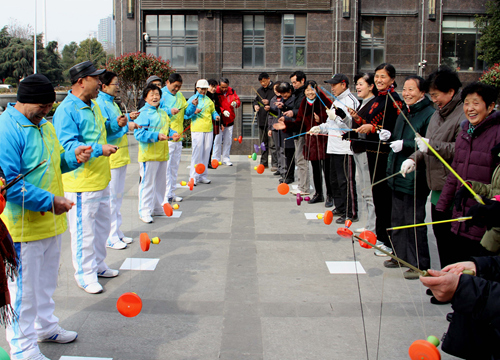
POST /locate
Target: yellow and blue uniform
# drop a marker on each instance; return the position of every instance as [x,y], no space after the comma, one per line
[202,122]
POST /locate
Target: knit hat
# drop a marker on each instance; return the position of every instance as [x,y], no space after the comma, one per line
[151,79]
[36,89]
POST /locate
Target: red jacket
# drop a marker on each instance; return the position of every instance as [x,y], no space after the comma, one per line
[225,101]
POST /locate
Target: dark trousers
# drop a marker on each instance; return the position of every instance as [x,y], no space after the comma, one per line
[444,236]
[382,195]
[290,163]
[341,176]
[264,157]
[319,168]
[410,244]
[274,152]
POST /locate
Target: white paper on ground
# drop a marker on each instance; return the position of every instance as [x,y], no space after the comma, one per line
[312,216]
[139,263]
[345,267]
[176,214]
[295,187]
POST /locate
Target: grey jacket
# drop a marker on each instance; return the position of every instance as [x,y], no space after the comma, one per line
[442,131]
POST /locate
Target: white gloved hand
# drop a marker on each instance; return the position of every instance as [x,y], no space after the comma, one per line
[407,167]
[315,130]
[384,135]
[421,145]
[331,113]
[226,113]
[233,103]
[397,146]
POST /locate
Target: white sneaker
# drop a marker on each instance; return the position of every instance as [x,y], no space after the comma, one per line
[148,219]
[381,245]
[228,163]
[127,240]
[60,336]
[38,356]
[204,181]
[93,288]
[119,245]
[108,273]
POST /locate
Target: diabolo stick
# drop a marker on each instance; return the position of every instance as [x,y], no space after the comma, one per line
[430,223]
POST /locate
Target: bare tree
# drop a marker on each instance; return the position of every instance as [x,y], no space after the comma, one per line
[16,29]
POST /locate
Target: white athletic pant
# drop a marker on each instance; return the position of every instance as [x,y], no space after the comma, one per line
[174,158]
[201,143]
[152,187]
[226,137]
[89,222]
[117,191]
[31,295]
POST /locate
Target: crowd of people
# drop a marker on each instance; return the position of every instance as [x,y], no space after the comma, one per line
[400,148]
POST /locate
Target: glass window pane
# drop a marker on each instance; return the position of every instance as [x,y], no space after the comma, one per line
[192,25]
[191,56]
[288,24]
[259,25]
[164,53]
[288,56]
[259,57]
[365,60]
[378,57]
[300,25]
[178,56]
[379,27]
[178,25]
[151,24]
[248,25]
[247,57]
[151,50]
[300,56]
[165,25]
[466,50]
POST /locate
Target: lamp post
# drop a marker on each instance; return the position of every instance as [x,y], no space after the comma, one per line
[34,41]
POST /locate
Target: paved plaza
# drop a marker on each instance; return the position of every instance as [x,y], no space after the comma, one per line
[242,274]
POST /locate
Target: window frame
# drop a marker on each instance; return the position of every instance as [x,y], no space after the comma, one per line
[293,41]
[377,43]
[253,41]
[247,119]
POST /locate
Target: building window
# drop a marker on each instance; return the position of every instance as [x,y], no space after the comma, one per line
[372,52]
[249,131]
[293,40]
[460,38]
[253,41]
[174,38]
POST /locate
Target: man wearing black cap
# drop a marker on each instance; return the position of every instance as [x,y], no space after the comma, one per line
[340,165]
[261,105]
[78,120]
[28,139]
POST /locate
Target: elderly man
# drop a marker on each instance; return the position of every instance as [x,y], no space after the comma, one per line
[28,139]
[261,105]
[174,103]
[228,101]
[78,121]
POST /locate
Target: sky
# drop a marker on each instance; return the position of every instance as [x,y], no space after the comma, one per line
[67,20]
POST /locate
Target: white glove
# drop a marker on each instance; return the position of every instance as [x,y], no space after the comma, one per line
[331,113]
[384,135]
[407,167]
[421,145]
[397,146]
[226,113]
[233,104]
[315,130]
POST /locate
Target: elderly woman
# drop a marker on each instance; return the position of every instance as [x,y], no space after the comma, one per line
[444,88]
[473,161]
[409,193]
[312,112]
[382,115]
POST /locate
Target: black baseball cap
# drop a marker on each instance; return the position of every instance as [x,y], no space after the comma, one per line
[83,69]
[338,78]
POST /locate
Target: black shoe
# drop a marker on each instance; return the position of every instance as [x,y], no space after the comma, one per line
[392,264]
[281,180]
[288,181]
[354,218]
[437,302]
[449,317]
[329,201]
[210,166]
[265,165]
[316,199]
[337,212]
[341,219]
[429,292]
[277,173]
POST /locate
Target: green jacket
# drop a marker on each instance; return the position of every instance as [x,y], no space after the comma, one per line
[419,115]
[491,238]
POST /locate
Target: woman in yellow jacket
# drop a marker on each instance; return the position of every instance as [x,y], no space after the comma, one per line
[152,135]
[201,130]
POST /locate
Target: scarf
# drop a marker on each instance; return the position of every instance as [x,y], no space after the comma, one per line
[389,90]
[309,101]
[8,270]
